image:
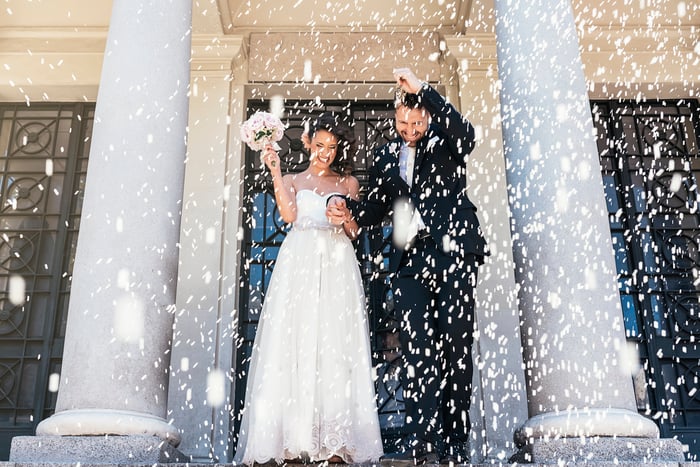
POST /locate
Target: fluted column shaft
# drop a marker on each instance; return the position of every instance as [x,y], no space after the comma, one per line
[572,328]
[114,374]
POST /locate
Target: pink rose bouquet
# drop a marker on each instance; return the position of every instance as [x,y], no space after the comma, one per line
[261,129]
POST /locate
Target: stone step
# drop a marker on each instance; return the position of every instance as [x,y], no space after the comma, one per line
[150,451]
[325,464]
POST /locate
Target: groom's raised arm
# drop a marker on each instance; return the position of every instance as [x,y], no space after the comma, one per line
[457,129]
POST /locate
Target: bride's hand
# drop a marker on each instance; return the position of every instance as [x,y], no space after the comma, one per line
[271,158]
[337,211]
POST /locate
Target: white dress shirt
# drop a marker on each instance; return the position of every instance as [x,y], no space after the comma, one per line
[407,161]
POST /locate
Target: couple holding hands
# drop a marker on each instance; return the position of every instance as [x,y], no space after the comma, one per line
[310,391]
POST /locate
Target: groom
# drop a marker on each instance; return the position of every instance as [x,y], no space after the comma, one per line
[419,179]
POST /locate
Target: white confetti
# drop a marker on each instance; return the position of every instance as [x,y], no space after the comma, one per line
[401,222]
[123,279]
[54,380]
[216,394]
[210,236]
[128,319]
[17,294]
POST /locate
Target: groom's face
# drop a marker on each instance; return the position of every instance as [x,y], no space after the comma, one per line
[411,124]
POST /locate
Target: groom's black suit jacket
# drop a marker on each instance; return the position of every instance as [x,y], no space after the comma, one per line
[439,190]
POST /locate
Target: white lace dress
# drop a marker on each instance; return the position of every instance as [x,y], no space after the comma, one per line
[310,392]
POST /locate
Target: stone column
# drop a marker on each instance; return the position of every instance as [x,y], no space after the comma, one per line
[208,284]
[114,376]
[499,387]
[580,400]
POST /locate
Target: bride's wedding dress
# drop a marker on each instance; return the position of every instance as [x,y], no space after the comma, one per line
[310,392]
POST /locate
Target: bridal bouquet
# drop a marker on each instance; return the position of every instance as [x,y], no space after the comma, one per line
[261,129]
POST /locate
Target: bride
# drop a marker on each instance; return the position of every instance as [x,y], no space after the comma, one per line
[310,394]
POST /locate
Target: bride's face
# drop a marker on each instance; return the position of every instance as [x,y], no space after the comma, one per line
[324,146]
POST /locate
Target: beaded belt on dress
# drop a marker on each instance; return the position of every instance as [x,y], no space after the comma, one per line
[308,223]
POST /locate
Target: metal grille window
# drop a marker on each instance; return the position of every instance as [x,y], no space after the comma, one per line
[264,232]
[650,161]
[43,162]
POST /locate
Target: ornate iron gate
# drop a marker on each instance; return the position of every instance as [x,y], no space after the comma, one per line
[650,162]
[264,232]
[42,171]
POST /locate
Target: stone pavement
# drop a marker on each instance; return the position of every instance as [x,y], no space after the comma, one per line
[325,464]
[146,451]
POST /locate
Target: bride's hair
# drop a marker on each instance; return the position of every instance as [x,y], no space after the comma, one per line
[334,124]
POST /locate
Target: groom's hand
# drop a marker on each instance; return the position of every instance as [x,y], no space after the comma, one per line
[407,80]
[336,201]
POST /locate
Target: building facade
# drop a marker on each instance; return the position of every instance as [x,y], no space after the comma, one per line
[143,232]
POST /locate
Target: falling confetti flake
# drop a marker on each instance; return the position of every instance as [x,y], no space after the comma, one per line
[17,290]
[54,380]
[128,319]
[216,393]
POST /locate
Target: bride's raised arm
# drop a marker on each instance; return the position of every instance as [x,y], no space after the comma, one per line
[283,186]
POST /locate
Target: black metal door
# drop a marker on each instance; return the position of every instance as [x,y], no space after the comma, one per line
[264,232]
[651,164]
[43,161]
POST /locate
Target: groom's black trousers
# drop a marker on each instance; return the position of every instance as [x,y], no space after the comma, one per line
[434,299]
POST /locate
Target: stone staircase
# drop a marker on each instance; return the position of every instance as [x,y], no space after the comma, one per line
[325,464]
[148,451]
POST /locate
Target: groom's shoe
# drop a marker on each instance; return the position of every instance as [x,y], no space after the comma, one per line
[455,455]
[400,459]
[416,455]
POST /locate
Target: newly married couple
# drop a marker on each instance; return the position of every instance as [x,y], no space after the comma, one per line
[310,393]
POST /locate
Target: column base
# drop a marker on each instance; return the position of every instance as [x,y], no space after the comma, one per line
[94,450]
[600,450]
[99,422]
[586,423]
[593,435]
